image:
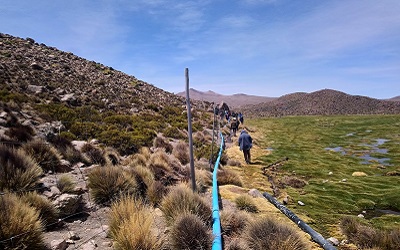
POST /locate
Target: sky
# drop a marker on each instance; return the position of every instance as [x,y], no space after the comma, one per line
[257,47]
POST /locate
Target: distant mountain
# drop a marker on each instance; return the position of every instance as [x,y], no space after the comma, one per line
[396,98]
[323,102]
[233,101]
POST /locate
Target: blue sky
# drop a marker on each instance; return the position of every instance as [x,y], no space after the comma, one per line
[258,47]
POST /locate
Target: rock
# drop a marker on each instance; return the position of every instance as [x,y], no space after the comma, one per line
[73,235]
[330,173]
[360,216]
[359,174]
[36,66]
[301,203]
[255,193]
[344,180]
[35,89]
[78,144]
[334,241]
[91,245]
[68,204]
[59,244]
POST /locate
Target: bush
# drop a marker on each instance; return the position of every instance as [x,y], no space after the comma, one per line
[65,184]
[48,214]
[18,171]
[173,132]
[190,232]
[109,183]
[47,156]
[20,225]
[246,203]
[268,234]
[181,152]
[182,200]
[131,225]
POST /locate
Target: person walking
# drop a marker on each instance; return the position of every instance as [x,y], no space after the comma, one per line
[245,144]
[234,126]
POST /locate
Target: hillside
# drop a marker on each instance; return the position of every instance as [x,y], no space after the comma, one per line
[233,101]
[323,102]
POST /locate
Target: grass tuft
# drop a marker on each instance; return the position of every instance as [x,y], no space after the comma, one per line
[47,156]
[190,232]
[229,177]
[181,152]
[48,214]
[17,170]
[95,154]
[246,203]
[20,225]
[65,184]
[233,222]
[269,234]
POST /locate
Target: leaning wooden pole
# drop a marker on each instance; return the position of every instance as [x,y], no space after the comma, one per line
[189,117]
[306,228]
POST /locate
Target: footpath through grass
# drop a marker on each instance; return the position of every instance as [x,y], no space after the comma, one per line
[351,164]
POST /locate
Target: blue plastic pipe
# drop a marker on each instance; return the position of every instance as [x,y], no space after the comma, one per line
[217,242]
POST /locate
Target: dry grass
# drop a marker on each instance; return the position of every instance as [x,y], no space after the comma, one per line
[229,177]
[293,181]
[269,234]
[189,232]
[180,200]
[65,184]
[161,142]
[156,192]
[159,164]
[94,154]
[109,183]
[112,156]
[144,178]
[131,225]
[48,214]
[18,171]
[233,222]
[47,156]
[203,180]
[20,133]
[246,203]
[181,152]
[20,225]
[145,151]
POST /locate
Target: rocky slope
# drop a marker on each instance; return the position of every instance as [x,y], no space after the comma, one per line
[323,102]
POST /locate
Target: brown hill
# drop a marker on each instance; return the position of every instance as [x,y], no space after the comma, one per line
[396,98]
[234,101]
[323,102]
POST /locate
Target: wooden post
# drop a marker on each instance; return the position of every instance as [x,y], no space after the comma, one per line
[189,117]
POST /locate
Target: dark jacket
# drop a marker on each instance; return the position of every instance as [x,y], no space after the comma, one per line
[245,141]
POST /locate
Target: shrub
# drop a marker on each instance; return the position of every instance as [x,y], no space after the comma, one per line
[131,225]
[48,214]
[173,132]
[269,234]
[182,200]
[95,154]
[20,225]
[246,203]
[190,232]
[17,170]
[108,183]
[229,177]
[47,156]
[181,152]
[65,184]
[233,222]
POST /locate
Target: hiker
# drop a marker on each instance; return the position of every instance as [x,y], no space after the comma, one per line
[234,125]
[241,117]
[245,144]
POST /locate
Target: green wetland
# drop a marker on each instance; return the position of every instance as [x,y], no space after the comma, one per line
[351,165]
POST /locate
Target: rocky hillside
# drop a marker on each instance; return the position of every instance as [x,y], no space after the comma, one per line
[233,101]
[323,102]
[46,74]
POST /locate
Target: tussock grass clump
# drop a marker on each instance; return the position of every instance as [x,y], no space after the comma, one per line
[229,177]
[144,178]
[17,170]
[361,234]
[160,142]
[20,133]
[67,150]
[20,221]
[65,184]
[145,151]
[233,222]
[112,156]
[203,180]
[180,200]
[269,234]
[156,192]
[236,244]
[245,202]
[48,214]
[108,183]
[234,162]
[137,160]
[95,154]
[131,225]
[181,152]
[190,232]
[159,164]
[47,156]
